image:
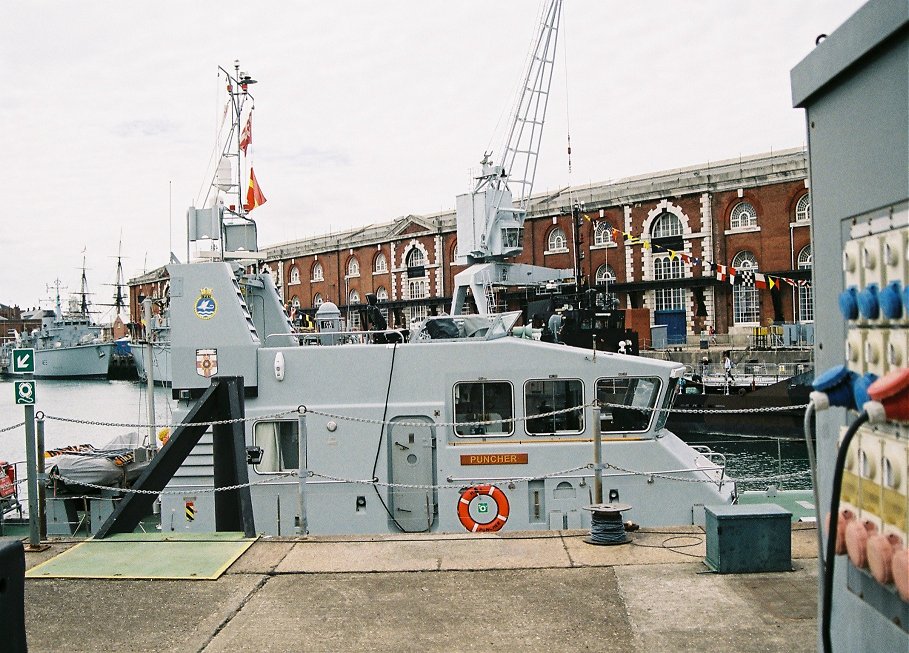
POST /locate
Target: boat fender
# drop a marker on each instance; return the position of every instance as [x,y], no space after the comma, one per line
[900,567]
[881,549]
[498,519]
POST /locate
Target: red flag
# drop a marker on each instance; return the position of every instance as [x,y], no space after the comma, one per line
[246,134]
[760,281]
[254,196]
[721,273]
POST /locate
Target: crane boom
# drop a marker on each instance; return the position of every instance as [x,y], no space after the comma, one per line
[490,220]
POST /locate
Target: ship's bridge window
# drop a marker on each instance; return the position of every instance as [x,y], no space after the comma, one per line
[543,396]
[626,404]
[280,445]
[483,401]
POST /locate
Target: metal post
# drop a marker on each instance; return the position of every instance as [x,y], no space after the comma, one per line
[302,526]
[34,535]
[149,372]
[597,457]
[42,491]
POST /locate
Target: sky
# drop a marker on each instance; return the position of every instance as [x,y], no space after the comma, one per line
[365,111]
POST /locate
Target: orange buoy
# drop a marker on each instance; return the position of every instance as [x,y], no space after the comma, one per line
[498,519]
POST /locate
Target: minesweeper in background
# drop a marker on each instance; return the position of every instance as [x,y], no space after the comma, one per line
[67,344]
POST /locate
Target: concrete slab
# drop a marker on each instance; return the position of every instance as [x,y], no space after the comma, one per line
[681,607]
[425,555]
[503,610]
[262,557]
[94,616]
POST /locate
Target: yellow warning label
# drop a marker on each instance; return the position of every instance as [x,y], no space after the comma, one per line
[190,511]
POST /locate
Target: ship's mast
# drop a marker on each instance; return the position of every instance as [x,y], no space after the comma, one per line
[230,225]
[83,291]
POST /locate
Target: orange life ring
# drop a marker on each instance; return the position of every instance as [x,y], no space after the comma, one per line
[498,520]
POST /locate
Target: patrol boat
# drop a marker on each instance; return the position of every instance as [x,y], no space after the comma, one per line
[460,428]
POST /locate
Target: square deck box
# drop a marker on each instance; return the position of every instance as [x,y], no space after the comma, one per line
[748,538]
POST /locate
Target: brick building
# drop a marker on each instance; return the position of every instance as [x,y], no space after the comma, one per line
[650,240]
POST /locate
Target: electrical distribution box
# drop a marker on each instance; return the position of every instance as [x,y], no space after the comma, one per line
[748,538]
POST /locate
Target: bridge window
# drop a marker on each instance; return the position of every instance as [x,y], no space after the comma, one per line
[626,403]
[483,401]
[547,395]
[280,445]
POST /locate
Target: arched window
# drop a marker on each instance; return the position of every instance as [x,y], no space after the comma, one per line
[605,275]
[806,294]
[743,215]
[602,234]
[415,258]
[317,300]
[382,296]
[354,297]
[380,263]
[803,209]
[666,225]
[745,306]
[353,267]
[294,275]
[317,273]
[295,301]
[557,241]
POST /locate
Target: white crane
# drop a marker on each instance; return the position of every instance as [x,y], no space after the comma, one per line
[490,219]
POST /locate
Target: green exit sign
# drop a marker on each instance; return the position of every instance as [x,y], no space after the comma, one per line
[23,361]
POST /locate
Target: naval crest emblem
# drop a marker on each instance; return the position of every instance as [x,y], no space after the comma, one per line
[206,307]
[206,362]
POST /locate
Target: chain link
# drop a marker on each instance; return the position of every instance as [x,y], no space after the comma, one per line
[226,488]
[449,486]
[10,428]
[504,420]
[219,422]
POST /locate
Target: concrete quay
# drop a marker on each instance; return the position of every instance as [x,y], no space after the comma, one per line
[510,592]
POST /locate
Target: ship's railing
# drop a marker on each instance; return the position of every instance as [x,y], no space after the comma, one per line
[341,337]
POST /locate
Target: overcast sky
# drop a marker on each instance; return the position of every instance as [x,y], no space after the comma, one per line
[365,111]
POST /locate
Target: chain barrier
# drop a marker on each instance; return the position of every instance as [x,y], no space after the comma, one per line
[302,409]
[125,490]
[219,422]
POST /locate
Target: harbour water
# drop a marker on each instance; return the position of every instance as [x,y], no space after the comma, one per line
[125,402]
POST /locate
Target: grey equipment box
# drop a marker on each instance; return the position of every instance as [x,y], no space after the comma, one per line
[748,538]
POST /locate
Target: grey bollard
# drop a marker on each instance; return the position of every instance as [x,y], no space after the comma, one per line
[12,595]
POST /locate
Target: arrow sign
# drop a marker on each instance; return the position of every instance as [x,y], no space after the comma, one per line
[25,392]
[23,361]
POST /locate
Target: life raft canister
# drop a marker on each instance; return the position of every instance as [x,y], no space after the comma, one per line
[498,519]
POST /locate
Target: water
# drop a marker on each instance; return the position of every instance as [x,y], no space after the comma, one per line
[761,458]
[95,400]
